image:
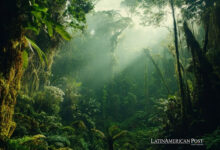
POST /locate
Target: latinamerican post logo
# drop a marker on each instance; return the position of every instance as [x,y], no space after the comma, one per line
[191,141]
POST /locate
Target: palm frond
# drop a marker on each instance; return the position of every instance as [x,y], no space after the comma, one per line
[40,52]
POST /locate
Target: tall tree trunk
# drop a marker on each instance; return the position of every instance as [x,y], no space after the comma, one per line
[181,83]
[12,43]
[10,77]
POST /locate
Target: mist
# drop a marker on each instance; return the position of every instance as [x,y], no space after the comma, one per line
[110,50]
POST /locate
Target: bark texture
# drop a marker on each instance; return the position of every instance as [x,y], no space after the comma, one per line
[10,78]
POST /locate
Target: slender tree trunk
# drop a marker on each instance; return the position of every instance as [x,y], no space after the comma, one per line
[158,70]
[181,84]
[146,90]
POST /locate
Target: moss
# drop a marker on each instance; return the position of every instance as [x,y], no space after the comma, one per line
[9,85]
[36,142]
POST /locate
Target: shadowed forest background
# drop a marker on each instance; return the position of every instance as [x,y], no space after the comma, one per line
[109,74]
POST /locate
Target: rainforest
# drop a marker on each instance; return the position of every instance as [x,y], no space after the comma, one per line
[110,75]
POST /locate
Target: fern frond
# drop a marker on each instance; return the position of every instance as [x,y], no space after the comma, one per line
[99,133]
[120,134]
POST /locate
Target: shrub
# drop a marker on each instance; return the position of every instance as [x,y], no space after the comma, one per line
[48,100]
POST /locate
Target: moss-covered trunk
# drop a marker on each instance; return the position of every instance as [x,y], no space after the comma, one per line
[10,77]
[206,88]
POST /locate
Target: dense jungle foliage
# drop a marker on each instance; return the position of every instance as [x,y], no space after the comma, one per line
[75,77]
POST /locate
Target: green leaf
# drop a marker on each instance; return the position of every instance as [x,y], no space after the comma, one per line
[41,9]
[49,28]
[37,7]
[40,53]
[60,29]
[25,59]
[37,14]
[33,28]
